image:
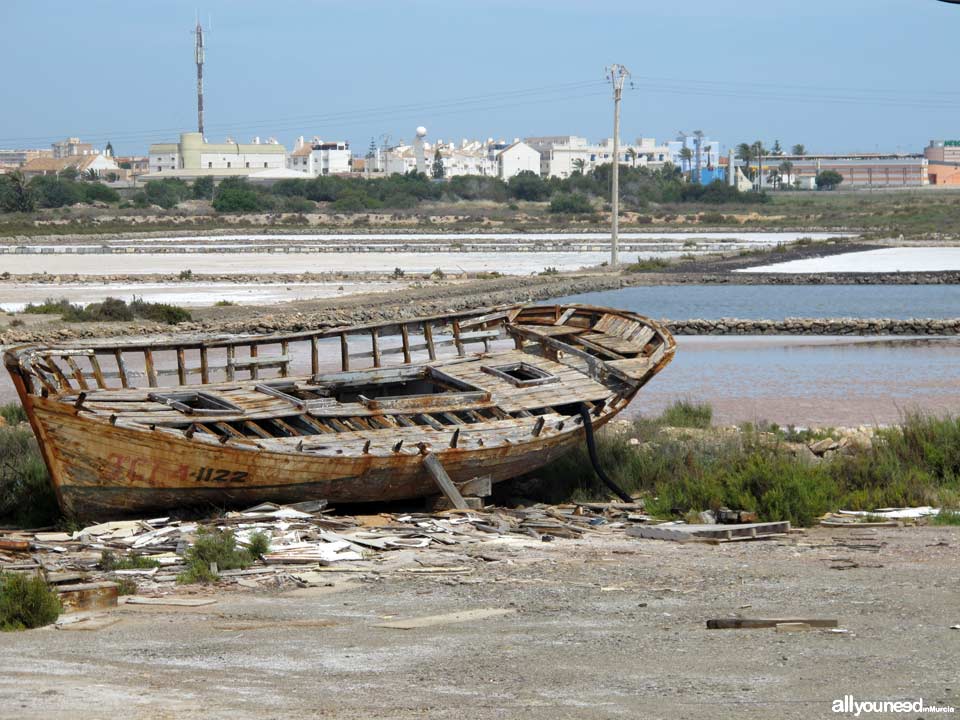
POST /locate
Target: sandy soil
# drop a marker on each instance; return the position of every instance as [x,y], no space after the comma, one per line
[602,628]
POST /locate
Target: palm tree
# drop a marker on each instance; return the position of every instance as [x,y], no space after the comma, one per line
[579,165]
[20,198]
[786,169]
[758,152]
[799,150]
[773,177]
[90,175]
[686,154]
[698,141]
[632,154]
[745,154]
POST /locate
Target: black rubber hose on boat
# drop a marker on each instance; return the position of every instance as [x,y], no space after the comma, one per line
[595,459]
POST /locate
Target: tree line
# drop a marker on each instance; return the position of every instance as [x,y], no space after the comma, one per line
[580,193]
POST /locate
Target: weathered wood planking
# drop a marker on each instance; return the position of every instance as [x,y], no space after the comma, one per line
[229,436]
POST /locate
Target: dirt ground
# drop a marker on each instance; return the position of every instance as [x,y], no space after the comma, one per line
[604,627]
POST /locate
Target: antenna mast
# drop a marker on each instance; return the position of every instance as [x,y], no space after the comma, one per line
[199,56]
[617,75]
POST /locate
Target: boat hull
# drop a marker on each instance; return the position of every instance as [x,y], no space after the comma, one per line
[132,471]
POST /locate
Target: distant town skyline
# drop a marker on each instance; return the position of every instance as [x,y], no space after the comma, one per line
[861,75]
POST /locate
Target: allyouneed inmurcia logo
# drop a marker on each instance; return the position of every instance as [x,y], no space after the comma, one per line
[848,705]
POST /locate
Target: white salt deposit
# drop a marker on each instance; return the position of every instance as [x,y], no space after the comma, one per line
[912,259]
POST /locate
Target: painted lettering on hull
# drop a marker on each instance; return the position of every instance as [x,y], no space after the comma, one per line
[143,471]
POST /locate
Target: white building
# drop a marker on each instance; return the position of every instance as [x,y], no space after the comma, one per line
[469,157]
[563,155]
[320,158]
[516,158]
[194,157]
[100,165]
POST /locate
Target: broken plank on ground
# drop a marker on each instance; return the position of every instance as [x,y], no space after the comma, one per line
[737,623]
[681,532]
[176,601]
[87,596]
[447,619]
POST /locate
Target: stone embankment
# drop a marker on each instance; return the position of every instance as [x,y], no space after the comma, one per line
[817,326]
[827,327]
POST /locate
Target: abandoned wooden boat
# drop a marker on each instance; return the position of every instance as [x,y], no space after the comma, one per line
[362,413]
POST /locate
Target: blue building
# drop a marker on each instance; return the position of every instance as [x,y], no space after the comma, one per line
[709,157]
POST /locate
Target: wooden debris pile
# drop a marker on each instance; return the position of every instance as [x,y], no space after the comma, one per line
[304,541]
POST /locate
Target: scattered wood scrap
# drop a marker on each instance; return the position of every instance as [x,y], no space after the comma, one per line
[741,623]
[448,619]
[680,532]
[88,596]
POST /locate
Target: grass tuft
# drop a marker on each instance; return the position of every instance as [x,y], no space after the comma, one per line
[27,498]
[26,602]
[688,414]
[213,547]
[649,265]
[110,562]
[946,517]
[259,544]
[13,413]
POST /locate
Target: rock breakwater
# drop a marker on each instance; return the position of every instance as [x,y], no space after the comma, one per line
[817,326]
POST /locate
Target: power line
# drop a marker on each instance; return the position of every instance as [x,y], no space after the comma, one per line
[569,89]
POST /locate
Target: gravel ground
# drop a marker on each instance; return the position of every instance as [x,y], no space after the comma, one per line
[607,627]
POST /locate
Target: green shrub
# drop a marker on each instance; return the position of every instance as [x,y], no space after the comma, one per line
[688,414]
[110,562]
[649,265]
[110,310]
[13,413]
[98,192]
[917,463]
[27,498]
[571,203]
[946,517]
[26,601]
[258,544]
[213,547]
[297,204]
[236,200]
[114,310]
[159,312]
[126,586]
[166,193]
[202,188]
[49,307]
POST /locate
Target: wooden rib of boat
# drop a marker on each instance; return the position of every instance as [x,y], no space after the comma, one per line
[348,414]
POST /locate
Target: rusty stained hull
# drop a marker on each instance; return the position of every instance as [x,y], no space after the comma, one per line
[129,471]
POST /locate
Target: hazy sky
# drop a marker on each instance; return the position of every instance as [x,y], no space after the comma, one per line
[832,74]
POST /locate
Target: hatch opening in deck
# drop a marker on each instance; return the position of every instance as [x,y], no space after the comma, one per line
[521,374]
[196,403]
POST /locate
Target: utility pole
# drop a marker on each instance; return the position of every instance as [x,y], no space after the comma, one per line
[618,73]
[199,56]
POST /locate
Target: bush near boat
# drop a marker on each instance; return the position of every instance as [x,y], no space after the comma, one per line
[26,495]
[26,602]
[760,469]
[217,549]
[110,310]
